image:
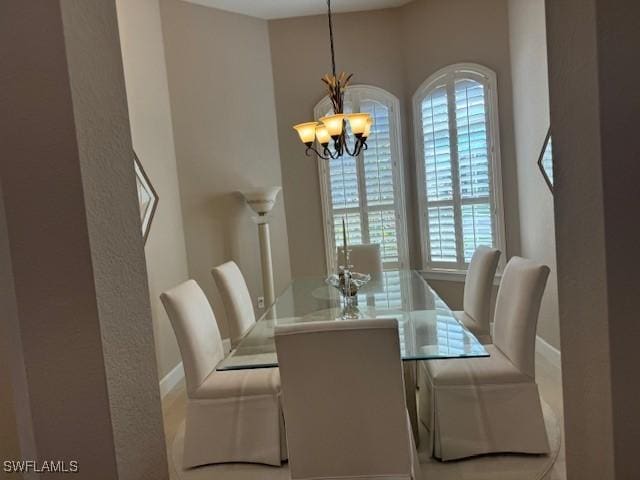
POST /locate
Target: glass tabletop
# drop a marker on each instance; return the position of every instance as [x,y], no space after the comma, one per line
[427,327]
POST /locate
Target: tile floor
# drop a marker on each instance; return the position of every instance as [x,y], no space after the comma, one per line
[548,376]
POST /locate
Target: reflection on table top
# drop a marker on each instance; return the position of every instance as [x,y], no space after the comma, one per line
[428,329]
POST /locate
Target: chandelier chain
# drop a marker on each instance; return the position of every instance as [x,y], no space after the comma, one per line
[334,126]
[333,55]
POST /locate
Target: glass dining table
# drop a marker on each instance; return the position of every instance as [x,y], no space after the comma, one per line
[428,329]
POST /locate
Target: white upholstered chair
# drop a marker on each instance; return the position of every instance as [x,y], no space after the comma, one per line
[489,405]
[344,400]
[478,285]
[232,416]
[236,298]
[365,258]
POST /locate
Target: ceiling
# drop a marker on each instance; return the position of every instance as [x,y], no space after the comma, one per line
[270,9]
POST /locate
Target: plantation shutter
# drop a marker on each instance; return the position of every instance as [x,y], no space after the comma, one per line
[379,183]
[367,191]
[439,175]
[460,213]
[473,166]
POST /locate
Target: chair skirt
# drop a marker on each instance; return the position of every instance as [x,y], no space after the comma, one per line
[469,420]
[241,429]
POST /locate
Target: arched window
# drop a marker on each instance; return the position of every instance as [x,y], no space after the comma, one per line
[368,190]
[458,158]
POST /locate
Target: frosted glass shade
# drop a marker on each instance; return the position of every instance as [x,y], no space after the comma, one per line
[261,200]
[322,134]
[358,122]
[367,128]
[334,124]
[306,131]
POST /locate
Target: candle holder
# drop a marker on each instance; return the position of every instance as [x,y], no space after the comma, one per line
[348,283]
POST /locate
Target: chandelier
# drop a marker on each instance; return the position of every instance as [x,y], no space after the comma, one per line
[334,127]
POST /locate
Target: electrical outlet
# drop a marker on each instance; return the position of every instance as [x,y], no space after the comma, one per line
[261,302]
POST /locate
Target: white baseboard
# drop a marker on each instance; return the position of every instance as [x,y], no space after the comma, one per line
[171,379]
[551,353]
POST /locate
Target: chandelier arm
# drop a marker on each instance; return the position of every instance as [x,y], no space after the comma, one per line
[363,145]
[357,148]
[331,155]
[349,152]
[339,145]
[310,149]
[355,151]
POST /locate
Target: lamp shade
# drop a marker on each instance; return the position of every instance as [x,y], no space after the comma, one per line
[358,122]
[334,124]
[367,128]
[322,134]
[261,200]
[306,131]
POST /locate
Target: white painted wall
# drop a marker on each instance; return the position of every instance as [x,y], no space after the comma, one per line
[145,75]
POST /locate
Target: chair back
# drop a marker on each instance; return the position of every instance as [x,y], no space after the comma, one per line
[517,308]
[344,399]
[479,284]
[196,330]
[365,258]
[236,299]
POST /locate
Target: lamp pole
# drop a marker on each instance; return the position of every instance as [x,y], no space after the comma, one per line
[266,259]
[262,201]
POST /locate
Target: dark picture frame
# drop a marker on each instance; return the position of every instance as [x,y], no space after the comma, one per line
[545,160]
[147,197]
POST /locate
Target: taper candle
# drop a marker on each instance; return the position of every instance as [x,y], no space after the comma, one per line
[344,241]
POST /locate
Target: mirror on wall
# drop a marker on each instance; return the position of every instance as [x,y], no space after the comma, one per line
[545,161]
[147,197]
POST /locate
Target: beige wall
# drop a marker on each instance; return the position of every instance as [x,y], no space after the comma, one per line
[432,39]
[117,254]
[221,89]
[11,363]
[76,251]
[9,436]
[152,134]
[531,112]
[367,45]
[594,112]
[429,45]
[396,49]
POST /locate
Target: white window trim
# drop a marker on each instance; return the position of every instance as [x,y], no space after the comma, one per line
[454,276]
[489,78]
[386,98]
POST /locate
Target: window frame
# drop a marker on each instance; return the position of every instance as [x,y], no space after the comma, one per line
[447,76]
[370,92]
